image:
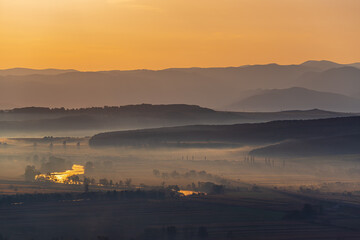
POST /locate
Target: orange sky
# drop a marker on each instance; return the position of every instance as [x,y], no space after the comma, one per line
[155,34]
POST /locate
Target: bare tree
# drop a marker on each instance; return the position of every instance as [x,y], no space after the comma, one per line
[30,173]
[128,182]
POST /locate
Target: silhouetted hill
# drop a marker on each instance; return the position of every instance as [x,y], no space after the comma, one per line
[39,119]
[210,87]
[321,65]
[333,145]
[357,65]
[344,80]
[28,71]
[297,98]
[141,108]
[222,135]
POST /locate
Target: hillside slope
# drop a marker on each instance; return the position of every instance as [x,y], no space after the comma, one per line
[343,80]
[334,145]
[239,134]
[39,119]
[297,98]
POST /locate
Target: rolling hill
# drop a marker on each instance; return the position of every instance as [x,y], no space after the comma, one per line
[41,120]
[29,71]
[296,98]
[334,145]
[230,135]
[343,80]
[322,65]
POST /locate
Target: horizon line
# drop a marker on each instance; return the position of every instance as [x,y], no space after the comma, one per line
[161,69]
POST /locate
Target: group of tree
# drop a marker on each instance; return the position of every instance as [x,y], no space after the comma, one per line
[103,110]
[175,233]
[192,174]
[30,173]
[159,194]
[308,211]
[127,183]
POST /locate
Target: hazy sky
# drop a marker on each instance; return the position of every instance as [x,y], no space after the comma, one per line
[129,34]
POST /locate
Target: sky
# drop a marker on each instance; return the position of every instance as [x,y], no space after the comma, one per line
[157,34]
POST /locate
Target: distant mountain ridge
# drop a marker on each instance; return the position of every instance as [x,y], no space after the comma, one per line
[322,65]
[296,98]
[343,80]
[209,87]
[29,71]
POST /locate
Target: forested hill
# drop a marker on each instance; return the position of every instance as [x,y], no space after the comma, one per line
[238,134]
[47,120]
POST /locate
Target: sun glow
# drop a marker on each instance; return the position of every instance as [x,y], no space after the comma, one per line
[156,34]
[67,177]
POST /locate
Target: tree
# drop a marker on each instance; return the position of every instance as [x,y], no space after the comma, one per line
[128,182]
[86,184]
[89,167]
[174,187]
[151,234]
[104,181]
[1,237]
[308,210]
[188,233]
[121,183]
[73,179]
[229,235]
[171,232]
[92,181]
[203,233]
[156,173]
[174,174]
[30,173]
[102,238]
[218,189]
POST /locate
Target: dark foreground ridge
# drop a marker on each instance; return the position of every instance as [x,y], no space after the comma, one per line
[229,135]
[110,118]
[334,145]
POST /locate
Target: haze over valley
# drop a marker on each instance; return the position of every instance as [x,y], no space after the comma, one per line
[179,120]
[147,143]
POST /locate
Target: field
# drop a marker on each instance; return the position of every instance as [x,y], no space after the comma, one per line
[263,198]
[242,215]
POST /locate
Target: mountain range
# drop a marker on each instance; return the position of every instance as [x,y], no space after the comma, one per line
[343,80]
[296,98]
[208,87]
